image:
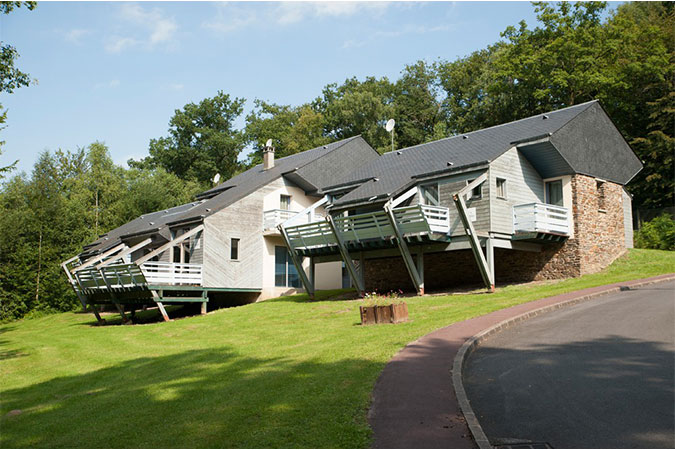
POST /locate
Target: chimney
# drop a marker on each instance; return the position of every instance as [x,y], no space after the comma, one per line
[268,157]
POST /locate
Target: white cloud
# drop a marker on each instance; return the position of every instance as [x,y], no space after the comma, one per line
[230,18]
[108,84]
[75,35]
[117,44]
[292,12]
[147,28]
[353,44]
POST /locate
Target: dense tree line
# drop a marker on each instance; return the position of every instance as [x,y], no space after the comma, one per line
[571,56]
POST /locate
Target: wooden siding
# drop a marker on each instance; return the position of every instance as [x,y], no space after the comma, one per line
[523,185]
[244,220]
[450,185]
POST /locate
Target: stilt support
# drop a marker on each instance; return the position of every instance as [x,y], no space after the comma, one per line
[120,309]
[160,305]
[405,253]
[100,320]
[485,271]
[297,262]
[356,279]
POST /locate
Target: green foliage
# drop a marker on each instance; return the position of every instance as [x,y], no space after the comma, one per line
[292,129]
[625,61]
[658,233]
[202,141]
[70,198]
[265,375]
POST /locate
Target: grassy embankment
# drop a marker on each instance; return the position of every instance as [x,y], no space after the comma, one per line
[282,373]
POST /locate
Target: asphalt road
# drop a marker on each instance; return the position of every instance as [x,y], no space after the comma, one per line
[600,374]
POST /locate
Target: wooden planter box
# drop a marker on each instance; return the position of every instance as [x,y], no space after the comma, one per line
[384,314]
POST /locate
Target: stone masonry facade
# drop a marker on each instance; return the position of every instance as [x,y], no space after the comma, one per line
[597,212]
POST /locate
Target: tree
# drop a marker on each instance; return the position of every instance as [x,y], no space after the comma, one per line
[292,129]
[202,141]
[10,77]
[573,56]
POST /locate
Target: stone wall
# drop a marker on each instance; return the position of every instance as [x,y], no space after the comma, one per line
[598,240]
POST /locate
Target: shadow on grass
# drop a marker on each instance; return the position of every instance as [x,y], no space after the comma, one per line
[203,398]
[613,392]
[8,353]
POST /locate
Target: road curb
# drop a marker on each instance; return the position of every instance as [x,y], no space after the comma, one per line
[470,344]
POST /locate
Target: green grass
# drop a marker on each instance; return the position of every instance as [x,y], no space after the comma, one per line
[281,373]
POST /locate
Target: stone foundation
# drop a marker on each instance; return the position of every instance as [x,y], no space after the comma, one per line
[599,239]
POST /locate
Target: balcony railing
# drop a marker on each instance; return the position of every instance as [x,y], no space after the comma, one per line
[541,218]
[172,273]
[418,219]
[274,217]
[125,276]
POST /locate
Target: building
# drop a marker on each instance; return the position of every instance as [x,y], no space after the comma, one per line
[224,243]
[538,198]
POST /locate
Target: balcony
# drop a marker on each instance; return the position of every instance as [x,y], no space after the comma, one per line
[369,230]
[121,277]
[274,217]
[539,221]
[162,273]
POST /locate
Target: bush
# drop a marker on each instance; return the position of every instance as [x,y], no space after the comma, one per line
[659,233]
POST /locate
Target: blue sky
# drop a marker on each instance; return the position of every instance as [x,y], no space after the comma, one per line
[116,72]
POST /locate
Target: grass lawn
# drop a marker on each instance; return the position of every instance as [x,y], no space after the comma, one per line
[281,373]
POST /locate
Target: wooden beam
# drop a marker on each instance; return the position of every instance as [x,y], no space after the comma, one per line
[169,244]
[490,252]
[96,259]
[458,198]
[311,208]
[309,286]
[405,253]
[346,258]
[403,197]
[475,183]
[124,253]
[73,283]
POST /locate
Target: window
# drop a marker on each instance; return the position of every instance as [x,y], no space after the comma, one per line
[501,188]
[234,248]
[554,193]
[181,252]
[430,195]
[285,273]
[285,202]
[477,192]
[600,187]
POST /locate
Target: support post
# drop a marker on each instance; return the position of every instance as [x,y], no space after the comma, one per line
[490,252]
[309,286]
[362,269]
[346,258]
[120,309]
[96,313]
[158,300]
[312,271]
[205,295]
[420,267]
[405,253]
[458,198]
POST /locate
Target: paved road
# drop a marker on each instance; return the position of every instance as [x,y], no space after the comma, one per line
[596,375]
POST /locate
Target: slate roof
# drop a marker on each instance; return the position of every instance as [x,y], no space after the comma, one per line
[313,176]
[395,171]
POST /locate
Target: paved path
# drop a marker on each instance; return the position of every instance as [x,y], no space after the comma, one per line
[598,374]
[414,403]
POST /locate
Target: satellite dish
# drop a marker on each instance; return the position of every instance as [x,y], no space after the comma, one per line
[390,125]
[216,178]
[268,143]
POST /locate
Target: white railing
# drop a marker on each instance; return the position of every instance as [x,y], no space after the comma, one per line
[541,218]
[438,218]
[172,273]
[274,217]
[417,219]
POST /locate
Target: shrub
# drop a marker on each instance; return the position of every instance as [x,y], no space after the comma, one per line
[375,299]
[659,233]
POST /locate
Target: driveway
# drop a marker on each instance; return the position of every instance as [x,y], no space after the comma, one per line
[596,375]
